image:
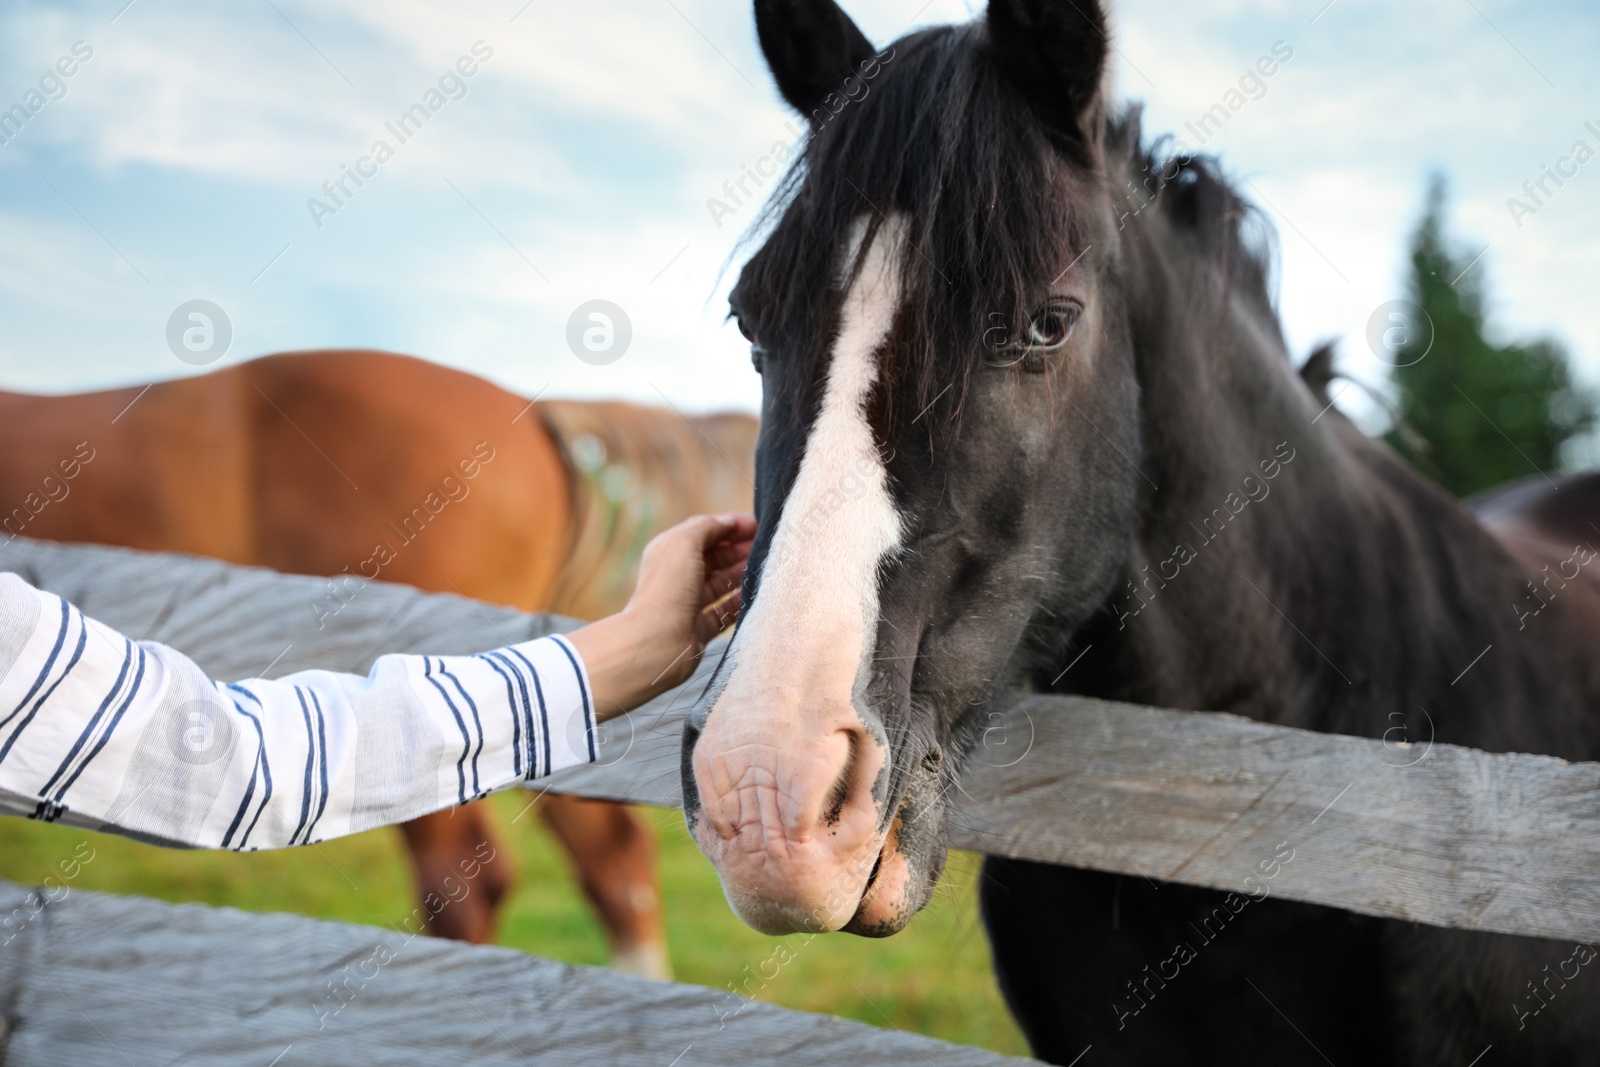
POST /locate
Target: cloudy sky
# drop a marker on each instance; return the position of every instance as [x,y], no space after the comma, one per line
[575,164]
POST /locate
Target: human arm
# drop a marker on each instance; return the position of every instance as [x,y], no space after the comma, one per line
[100,731]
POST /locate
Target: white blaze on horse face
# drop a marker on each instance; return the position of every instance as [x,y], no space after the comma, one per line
[786,763]
[839,521]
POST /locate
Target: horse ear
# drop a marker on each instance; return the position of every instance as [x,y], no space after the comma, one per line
[1054,52]
[811,47]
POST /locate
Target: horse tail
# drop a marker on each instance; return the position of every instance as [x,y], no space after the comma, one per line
[633,471]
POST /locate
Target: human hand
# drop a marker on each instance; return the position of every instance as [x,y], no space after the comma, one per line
[687,593]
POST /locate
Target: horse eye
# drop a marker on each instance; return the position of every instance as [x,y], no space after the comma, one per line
[1051,327]
[758,354]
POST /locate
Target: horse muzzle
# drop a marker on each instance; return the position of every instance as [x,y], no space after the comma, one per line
[786,806]
[790,810]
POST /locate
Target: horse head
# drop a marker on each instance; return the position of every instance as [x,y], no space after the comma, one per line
[950,433]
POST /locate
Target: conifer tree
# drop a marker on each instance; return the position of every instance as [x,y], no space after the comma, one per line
[1476,414]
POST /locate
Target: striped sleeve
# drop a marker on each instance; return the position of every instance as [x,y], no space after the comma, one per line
[131,737]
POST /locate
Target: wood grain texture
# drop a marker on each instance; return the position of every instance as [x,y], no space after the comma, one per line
[1429,833]
[244,622]
[123,982]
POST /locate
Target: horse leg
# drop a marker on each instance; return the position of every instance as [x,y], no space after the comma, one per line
[462,871]
[616,860]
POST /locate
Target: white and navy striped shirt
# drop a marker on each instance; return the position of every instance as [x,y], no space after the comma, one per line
[103,732]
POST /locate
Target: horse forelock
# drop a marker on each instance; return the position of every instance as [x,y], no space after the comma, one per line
[942,143]
[987,208]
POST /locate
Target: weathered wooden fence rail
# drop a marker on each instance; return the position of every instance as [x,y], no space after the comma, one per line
[105,981]
[1431,833]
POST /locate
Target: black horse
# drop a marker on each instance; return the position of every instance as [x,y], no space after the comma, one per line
[1028,406]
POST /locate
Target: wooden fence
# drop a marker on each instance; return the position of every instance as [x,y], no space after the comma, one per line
[96,980]
[1429,833]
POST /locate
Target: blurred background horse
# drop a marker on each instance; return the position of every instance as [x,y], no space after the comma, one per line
[358,464]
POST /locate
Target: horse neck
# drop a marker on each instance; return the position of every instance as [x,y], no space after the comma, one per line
[1287,567]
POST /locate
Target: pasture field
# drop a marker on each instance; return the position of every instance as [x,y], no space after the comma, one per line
[934,978]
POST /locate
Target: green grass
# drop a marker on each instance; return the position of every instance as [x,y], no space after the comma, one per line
[934,978]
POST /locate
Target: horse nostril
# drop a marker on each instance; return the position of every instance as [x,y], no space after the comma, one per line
[689,787]
[833,806]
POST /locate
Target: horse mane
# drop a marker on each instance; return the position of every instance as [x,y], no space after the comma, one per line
[1192,192]
[939,144]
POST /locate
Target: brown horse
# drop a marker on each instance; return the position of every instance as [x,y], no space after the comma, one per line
[378,465]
